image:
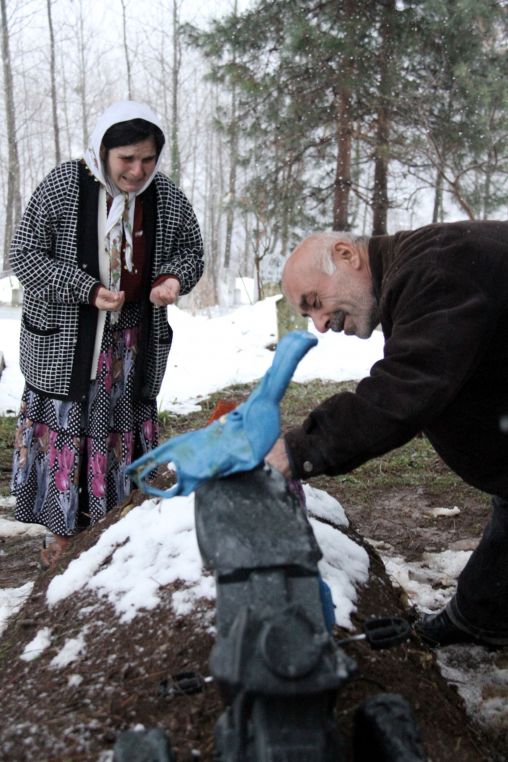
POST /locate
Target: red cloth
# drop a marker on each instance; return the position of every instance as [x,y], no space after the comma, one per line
[132,282]
[221,408]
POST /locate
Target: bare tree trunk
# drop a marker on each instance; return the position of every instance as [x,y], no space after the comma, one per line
[342,183]
[194,171]
[82,76]
[382,147]
[213,192]
[64,100]
[487,187]
[344,130]
[380,193]
[217,193]
[356,179]
[175,77]
[246,263]
[52,73]
[458,195]
[233,164]
[437,211]
[13,205]
[126,51]
[284,223]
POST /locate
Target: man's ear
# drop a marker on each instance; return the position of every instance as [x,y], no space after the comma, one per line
[347,253]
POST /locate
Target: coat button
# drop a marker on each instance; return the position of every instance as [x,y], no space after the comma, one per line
[307,466]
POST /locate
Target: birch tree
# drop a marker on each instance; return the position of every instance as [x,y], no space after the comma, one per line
[382,149]
[175,79]
[13,199]
[126,50]
[52,73]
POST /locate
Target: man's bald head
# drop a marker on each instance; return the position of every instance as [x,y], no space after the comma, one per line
[327,277]
[316,251]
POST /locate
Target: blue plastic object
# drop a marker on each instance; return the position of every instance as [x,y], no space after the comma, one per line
[236,442]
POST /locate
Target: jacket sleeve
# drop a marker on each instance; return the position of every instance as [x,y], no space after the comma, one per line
[43,250]
[183,257]
[439,323]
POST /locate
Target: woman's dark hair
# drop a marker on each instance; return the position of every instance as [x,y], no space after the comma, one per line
[132,131]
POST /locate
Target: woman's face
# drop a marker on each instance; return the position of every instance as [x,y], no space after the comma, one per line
[129,167]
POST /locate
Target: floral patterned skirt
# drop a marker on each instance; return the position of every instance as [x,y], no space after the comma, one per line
[70,458]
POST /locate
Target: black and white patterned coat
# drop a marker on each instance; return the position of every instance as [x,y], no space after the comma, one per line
[54,254]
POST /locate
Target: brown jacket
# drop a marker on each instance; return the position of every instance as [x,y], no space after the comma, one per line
[443,298]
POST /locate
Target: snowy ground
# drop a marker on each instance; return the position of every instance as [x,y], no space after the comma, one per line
[210,352]
[155,542]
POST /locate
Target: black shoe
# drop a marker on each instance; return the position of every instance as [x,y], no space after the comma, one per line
[439,630]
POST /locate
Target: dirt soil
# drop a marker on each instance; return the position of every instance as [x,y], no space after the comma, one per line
[76,712]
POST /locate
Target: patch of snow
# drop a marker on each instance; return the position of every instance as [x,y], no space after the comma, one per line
[439,512]
[323,506]
[155,544]
[344,566]
[184,601]
[11,600]
[37,645]
[72,649]
[12,528]
[73,681]
[429,583]
[152,546]
[482,684]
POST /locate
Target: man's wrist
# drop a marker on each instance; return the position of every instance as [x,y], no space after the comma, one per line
[291,463]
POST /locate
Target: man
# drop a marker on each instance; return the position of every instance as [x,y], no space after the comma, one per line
[441,296]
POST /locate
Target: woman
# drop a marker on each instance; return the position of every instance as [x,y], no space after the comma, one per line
[104,245]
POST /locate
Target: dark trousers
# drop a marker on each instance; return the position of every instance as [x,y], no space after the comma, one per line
[480,604]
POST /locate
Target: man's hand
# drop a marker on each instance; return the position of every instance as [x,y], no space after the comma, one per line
[165,293]
[277,457]
[109,300]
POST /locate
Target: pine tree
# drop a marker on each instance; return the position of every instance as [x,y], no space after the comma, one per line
[456,110]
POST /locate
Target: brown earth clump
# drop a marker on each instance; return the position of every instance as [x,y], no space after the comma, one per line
[76,712]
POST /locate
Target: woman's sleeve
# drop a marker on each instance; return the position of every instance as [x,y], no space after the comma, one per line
[49,275]
[184,258]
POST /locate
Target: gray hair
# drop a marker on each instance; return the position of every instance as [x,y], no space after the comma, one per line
[324,243]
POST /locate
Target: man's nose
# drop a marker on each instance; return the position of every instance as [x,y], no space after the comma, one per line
[322,322]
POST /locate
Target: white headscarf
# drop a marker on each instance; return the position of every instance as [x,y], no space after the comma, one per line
[120,219]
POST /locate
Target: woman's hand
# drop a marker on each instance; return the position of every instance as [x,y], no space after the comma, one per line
[112,301]
[165,293]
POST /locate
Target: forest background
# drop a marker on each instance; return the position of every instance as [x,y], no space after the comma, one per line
[281,116]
